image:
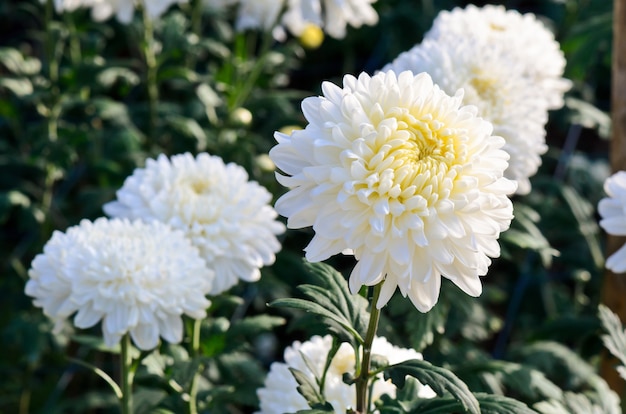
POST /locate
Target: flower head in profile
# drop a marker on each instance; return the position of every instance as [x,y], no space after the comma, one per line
[397,172]
[280,394]
[612,210]
[494,82]
[227,217]
[527,38]
[134,277]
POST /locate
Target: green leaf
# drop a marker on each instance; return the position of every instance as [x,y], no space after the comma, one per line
[589,116]
[15,62]
[111,75]
[97,343]
[439,379]
[210,99]
[584,213]
[307,388]
[313,307]
[254,325]
[615,341]
[525,234]
[145,400]
[189,128]
[328,409]
[523,380]
[573,403]
[331,299]
[19,86]
[489,404]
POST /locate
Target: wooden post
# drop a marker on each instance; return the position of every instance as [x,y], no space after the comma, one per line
[614,287]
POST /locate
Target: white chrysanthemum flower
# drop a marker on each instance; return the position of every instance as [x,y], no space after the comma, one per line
[226,216]
[123,10]
[135,277]
[612,209]
[396,171]
[280,394]
[494,82]
[527,38]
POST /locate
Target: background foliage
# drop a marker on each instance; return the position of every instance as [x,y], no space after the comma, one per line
[78,112]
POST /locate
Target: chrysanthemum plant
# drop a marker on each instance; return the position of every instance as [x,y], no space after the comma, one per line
[390,170]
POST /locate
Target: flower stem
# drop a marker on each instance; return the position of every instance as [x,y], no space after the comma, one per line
[196,30]
[195,352]
[244,88]
[362,380]
[127,374]
[151,74]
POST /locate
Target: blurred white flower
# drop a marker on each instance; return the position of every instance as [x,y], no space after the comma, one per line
[392,169]
[135,277]
[526,37]
[494,82]
[280,394]
[226,216]
[258,14]
[612,209]
[333,16]
[68,5]
[123,10]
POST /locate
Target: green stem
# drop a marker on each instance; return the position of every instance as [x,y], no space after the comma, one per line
[151,74]
[53,73]
[196,29]
[116,388]
[244,90]
[127,374]
[195,352]
[363,377]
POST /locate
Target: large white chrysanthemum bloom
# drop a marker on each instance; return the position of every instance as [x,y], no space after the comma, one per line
[135,277]
[494,82]
[396,171]
[612,209]
[527,38]
[226,216]
[280,395]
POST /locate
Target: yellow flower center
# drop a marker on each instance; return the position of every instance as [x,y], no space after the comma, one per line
[200,186]
[413,163]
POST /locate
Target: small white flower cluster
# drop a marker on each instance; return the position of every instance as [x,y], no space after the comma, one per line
[123,10]
[333,16]
[508,64]
[183,228]
[280,394]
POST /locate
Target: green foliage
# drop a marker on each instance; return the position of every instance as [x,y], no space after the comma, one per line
[439,379]
[615,338]
[331,299]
